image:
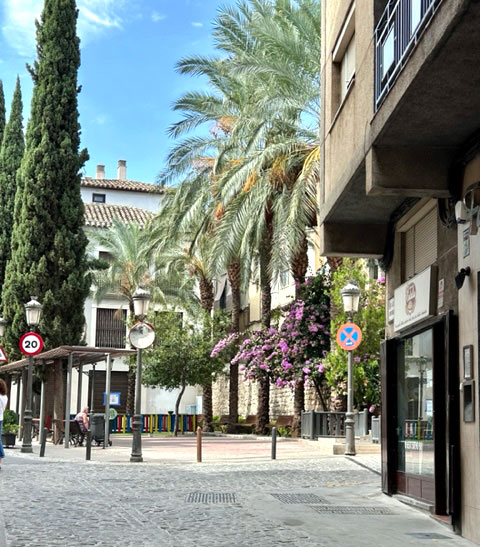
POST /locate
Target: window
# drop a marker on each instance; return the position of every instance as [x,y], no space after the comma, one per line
[347,68]
[284,279]
[420,244]
[105,255]
[111,329]
[98,198]
[343,61]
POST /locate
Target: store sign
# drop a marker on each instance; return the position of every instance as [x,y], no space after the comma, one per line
[413,300]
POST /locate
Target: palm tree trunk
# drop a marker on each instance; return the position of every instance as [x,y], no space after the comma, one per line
[233,273]
[131,375]
[299,267]
[263,412]
[207,299]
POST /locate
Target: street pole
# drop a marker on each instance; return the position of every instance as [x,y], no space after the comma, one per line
[137,418]
[349,422]
[27,420]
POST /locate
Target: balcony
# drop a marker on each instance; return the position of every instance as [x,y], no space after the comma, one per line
[396,36]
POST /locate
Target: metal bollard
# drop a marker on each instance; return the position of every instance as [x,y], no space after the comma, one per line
[89,445]
[274,443]
[199,444]
[43,442]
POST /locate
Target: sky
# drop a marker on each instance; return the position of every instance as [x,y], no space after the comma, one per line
[129,49]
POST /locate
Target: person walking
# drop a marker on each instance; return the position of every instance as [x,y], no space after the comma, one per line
[3,405]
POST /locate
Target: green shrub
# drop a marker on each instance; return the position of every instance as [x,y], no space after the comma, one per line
[10,422]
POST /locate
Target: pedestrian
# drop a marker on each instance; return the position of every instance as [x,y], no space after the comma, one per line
[83,422]
[3,404]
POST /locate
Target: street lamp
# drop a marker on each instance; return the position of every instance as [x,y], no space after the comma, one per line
[3,325]
[351,298]
[33,311]
[139,338]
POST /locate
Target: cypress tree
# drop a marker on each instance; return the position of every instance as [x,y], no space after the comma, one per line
[2,112]
[48,243]
[11,153]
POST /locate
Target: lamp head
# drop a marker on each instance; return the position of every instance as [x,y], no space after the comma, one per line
[351,297]
[141,302]
[33,311]
[3,325]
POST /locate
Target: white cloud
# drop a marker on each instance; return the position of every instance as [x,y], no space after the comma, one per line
[156,17]
[101,119]
[95,17]
[197,24]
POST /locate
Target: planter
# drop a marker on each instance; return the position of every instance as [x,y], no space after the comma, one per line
[8,440]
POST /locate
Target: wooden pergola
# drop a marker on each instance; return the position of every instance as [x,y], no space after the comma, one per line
[76,357]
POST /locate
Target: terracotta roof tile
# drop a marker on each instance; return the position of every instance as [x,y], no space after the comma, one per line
[99,215]
[117,184]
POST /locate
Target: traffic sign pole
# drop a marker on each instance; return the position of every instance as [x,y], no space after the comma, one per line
[349,337]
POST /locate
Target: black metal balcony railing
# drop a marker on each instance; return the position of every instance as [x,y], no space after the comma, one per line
[396,35]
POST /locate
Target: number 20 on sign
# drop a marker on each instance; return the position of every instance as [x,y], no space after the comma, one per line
[31,343]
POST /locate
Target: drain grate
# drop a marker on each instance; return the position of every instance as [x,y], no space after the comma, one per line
[299,498]
[427,535]
[351,510]
[210,497]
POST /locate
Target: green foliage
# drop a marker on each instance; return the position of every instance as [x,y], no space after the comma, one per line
[181,354]
[371,319]
[2,112]
[11,153]
[10,421]
[48,242]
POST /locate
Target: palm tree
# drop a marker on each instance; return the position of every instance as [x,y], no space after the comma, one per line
[264,103]
[131,264]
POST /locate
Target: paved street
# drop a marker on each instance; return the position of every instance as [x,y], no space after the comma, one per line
[325,501]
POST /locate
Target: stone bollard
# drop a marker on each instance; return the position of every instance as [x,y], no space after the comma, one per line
[199,444]
[274,443]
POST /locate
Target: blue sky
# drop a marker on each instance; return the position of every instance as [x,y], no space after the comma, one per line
[129,51]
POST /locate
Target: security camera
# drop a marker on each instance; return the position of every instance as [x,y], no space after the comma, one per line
[461,213]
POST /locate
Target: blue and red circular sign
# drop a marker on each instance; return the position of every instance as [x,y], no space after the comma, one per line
[349,336]
[31,343]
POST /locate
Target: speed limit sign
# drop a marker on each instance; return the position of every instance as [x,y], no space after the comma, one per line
[31,343]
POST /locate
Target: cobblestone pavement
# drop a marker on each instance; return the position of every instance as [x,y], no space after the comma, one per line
[323,502]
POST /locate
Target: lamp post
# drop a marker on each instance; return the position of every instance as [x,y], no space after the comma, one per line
[33,311]
[141,303]
[351,297]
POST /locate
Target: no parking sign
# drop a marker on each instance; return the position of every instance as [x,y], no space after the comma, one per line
[349,336]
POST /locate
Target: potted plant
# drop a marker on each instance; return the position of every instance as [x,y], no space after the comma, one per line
[10,428]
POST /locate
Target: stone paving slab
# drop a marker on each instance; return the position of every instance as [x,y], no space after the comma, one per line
[67,503]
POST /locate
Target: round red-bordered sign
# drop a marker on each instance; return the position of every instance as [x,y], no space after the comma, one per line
[349,336]
[31,343]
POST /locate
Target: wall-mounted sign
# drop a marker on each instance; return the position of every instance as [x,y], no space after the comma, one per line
[414,300]
[441,293]
[466,243]
[114,398]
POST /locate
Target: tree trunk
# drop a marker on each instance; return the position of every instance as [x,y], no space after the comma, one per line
[131,376]
[207,300]
[318,389]
[207,407]
[177,406]
[233,273]
[263,413]
[299,268]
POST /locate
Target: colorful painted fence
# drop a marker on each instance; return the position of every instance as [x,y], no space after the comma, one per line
[154,423]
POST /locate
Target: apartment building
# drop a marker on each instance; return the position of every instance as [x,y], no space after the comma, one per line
[400,154]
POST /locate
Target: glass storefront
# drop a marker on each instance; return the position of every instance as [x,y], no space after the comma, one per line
[415,405]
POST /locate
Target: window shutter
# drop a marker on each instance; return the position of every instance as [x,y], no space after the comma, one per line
[426,241]
[410,253]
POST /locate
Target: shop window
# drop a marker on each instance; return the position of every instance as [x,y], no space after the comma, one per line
[111,329]
[420,244]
